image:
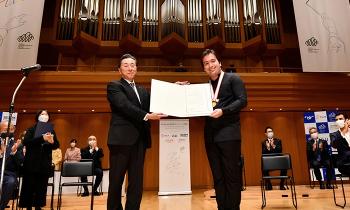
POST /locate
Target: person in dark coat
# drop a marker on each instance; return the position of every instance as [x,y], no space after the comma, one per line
[222,132]
[37,164]
[93,152]
[14,160]
[318,156]
[269,146]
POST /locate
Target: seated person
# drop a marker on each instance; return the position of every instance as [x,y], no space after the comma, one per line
[272,145]
[341,141]
[318,156]
[73,152]
[14,160]
[94,153]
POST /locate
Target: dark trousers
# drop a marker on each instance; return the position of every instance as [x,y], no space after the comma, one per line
[225,163]
[126,159]
[282,173]
[8,188]
[33,192]
[98,179]
[316,165]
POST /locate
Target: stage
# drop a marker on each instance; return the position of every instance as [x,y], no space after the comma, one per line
[251,199]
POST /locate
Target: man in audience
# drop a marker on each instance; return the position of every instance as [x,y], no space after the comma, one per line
[318,156]
[14,159]
[341,141]
[94,153]
[272,145]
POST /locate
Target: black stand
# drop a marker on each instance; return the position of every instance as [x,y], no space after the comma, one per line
[11,110]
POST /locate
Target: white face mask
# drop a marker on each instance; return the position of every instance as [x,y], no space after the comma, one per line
[72,144]
[270,135]
[43,118]
[314,135]
[340,123]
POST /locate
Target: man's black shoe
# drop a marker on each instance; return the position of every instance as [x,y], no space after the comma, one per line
[97,193]
[85,194]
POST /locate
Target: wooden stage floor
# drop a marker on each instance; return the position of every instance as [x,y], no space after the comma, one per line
[251,199]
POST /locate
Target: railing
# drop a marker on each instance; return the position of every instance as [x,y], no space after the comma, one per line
[179,69]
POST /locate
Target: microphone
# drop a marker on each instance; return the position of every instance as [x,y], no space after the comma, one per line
[28,69]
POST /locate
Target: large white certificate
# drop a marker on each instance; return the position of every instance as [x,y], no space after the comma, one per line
[181,100]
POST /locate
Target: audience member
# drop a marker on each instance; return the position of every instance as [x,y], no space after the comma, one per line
[272,145]
[73,152]
[94,153]
[57,158]
[318,156]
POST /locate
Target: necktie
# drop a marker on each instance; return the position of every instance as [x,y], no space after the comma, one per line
[132,84]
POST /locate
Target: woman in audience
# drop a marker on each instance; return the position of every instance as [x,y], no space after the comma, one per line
[37,162]
[73,152]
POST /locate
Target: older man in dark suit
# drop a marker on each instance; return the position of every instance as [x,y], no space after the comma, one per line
[129,135]
[341,141]
[14,160]
[222,132]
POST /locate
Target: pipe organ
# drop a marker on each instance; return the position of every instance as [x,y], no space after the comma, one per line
[196,21]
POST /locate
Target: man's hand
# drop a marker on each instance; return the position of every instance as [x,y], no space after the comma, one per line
[15,146]
[155,116]
[272,143]
[216,113]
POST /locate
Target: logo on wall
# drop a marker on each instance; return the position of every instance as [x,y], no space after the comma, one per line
[311,44]
[309,117]
[24,41]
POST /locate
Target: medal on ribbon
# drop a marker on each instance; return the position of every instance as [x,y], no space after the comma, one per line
[214,96]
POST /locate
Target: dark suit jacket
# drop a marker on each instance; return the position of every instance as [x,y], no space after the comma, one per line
[278,148]
[13,161]
[95,156]
[232,98]
[127,125]
[340,143]
[312,155]
[38,157]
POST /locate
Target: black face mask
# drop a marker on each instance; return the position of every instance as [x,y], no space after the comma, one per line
[11,135]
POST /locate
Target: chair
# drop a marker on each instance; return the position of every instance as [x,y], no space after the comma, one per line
[52,184]
[244,181]
[277,162]
[334,158]
[76,169]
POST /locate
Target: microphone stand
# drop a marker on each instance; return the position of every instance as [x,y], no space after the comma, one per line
[11,111]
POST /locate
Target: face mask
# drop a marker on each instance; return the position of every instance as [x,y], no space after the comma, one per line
[43,118]
[91,142]
[270,135]
[314,135]
[11,135]
[72,144]
[340,123]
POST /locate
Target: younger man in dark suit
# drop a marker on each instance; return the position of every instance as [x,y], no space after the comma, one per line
[222,131]
[129,135]
[341,141]
[269,146]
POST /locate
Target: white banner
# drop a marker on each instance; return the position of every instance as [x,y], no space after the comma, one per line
[20,24]
[174,157]
[323,33]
